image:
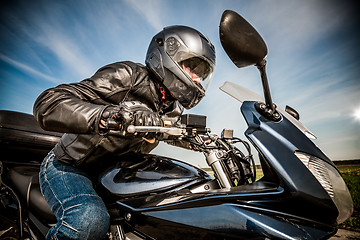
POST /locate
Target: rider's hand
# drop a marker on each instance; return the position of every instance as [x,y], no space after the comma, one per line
[119,117]
[147,118]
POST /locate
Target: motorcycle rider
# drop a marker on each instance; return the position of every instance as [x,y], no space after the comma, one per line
[179,65]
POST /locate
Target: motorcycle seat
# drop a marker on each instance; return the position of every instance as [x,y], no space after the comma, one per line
[22,139]
[25,179]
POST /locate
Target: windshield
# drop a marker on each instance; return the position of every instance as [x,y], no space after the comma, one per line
[243,94]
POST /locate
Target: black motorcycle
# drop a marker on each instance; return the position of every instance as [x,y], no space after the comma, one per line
[300,196]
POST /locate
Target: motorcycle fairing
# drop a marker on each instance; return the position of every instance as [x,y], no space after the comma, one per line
[243,212]
[277,142]
[217,215]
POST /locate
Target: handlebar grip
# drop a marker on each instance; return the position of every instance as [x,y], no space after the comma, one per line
[131,129]
[113,124]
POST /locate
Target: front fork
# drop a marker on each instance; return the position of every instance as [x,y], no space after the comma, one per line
[214,158]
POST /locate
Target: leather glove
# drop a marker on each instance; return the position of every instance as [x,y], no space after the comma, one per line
[147,118]
[119,117]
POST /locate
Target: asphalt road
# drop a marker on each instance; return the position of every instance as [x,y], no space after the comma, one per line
[345,234]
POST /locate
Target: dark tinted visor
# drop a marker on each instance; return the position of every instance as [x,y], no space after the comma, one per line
[197,66]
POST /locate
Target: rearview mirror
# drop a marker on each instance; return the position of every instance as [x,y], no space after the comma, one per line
[242,43]
[245,47]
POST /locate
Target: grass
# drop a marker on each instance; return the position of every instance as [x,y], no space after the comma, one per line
[351,176]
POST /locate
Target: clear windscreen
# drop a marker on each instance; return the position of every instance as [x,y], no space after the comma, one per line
[243,94]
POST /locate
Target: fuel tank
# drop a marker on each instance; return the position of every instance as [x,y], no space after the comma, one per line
[138,174]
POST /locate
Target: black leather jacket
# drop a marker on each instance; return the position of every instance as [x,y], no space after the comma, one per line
[76,108]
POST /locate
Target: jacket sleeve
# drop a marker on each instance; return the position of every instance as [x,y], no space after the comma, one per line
[77,107]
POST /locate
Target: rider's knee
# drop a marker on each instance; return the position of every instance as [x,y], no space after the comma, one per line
[86,220]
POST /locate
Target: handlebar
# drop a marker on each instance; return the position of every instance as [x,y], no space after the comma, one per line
[221,154]
[231,165]
[172,131]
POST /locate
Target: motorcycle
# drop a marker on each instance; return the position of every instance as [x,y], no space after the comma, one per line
[300,196]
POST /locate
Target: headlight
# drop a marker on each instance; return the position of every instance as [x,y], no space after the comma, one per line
[332,182]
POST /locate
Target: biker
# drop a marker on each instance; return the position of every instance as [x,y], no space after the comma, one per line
[179,65]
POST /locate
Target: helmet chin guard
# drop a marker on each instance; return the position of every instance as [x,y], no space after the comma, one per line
[183,59]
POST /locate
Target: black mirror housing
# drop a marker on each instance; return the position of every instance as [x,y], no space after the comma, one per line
[242,43]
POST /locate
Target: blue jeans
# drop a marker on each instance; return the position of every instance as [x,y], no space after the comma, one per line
[80,212]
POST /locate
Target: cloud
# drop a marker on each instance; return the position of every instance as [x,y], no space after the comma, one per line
[294,25]
[151,10]
[56,36]
[338,140]
[306,68]
[68,52]
[348,138]
[28,69]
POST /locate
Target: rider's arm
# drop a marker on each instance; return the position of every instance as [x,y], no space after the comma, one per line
[77,107]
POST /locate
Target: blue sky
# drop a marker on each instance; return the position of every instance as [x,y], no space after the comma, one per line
[313,59]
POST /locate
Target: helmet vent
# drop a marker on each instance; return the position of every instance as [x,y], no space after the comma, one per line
[172,45]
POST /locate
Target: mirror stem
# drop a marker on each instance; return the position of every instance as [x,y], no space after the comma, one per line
[262,68]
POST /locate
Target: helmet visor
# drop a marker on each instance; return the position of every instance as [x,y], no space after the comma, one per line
[198,70]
